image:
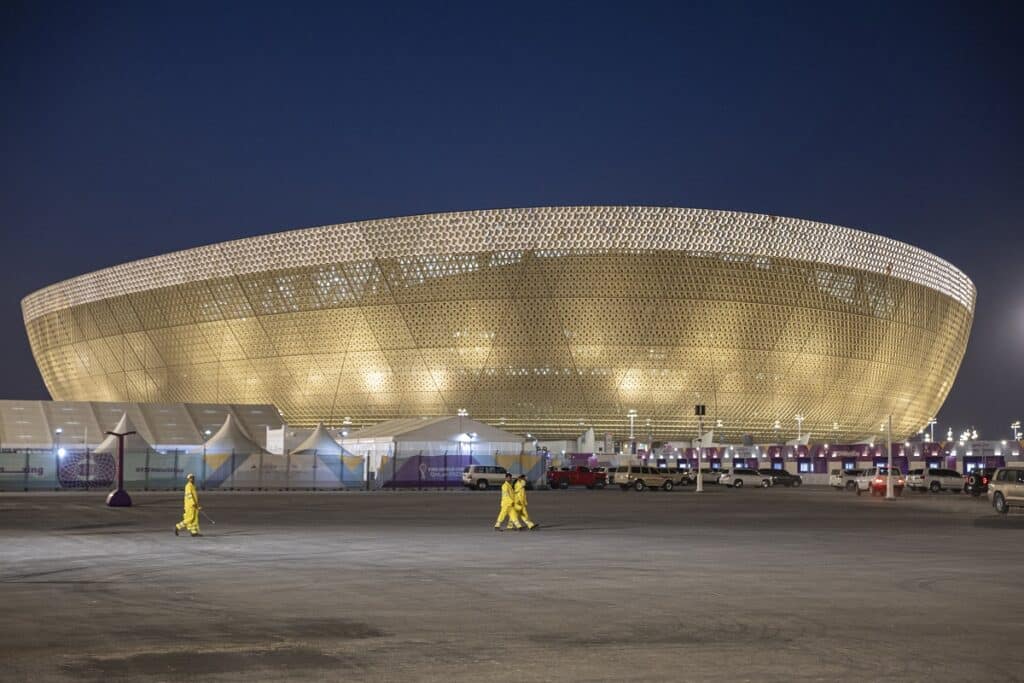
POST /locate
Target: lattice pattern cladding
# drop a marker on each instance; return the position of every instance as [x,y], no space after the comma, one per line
[534,319]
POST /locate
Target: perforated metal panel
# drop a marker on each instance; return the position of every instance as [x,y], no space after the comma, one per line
[539,320]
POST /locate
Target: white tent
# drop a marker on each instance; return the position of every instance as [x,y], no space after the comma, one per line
[319,442]
[231,439]
[133,443]
[454,435]
[80,425]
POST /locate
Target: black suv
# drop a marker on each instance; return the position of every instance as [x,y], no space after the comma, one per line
[782,477]
[976,481]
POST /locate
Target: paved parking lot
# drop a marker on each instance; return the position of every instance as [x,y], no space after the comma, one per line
[778,584]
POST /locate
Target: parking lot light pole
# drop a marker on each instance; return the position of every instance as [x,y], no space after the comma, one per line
[699,412]
[632,439]
[888,446]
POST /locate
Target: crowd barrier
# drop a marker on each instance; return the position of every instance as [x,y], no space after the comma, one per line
[46,470]
[82,469]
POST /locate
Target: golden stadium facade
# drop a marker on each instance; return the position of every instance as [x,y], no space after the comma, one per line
[542,320]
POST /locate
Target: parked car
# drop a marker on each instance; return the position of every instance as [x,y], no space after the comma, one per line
[482,477]
[738,477]
[849,479]
[708,475]
[915,480]
[782,477]
[576,476]
[843,479]
[873,479]
[1006,489]
[976,481]
[935,479]
[680,475]
[640,477]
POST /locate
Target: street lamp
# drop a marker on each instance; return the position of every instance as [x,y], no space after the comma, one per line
[699,410]
[632,441]
[931,429]
[888,447]
[1016,430]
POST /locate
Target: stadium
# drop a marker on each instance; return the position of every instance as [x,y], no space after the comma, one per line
[540,320]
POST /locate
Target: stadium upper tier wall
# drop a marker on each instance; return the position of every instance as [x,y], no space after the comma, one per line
[543,320]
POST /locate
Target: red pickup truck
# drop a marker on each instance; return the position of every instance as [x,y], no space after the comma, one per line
[577,476]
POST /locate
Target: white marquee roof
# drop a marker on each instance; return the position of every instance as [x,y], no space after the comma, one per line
[47,424]
[132,443]
[231,438]
[320,442]
[445,428]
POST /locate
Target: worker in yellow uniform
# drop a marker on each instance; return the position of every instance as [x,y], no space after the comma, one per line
[520,502]
[508,505]
[190,520]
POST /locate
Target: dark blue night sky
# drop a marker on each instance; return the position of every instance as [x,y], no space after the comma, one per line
[131,130]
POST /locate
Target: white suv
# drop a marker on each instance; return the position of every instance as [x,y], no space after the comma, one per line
[935,479]
[874,479]
[1006,489]
[738,477]
[482,477]
[843,479]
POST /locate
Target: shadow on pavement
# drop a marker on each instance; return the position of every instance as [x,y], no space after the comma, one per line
[1000,522]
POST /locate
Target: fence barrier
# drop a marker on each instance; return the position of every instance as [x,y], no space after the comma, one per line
[149,470]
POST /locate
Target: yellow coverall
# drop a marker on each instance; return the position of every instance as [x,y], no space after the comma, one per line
[508,507]
[190,520]
[520,503]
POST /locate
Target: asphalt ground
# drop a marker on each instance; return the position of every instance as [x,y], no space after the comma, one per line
[776,584]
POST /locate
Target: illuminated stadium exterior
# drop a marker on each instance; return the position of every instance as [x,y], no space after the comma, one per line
[542,320]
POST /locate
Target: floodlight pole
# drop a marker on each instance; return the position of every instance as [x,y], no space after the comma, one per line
[888,446]
[699,411]
[119,498]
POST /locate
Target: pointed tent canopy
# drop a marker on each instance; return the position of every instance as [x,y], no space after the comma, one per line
[320,442]
[131,443]
[230,438]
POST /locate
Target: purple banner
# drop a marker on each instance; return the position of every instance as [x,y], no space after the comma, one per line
[426,471]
